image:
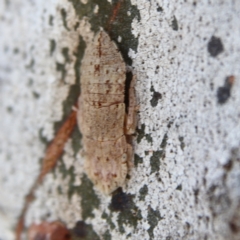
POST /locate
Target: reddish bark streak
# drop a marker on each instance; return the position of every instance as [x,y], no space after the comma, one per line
[114,15]
[55,149]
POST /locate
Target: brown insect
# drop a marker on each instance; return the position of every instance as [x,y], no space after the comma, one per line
[102,116]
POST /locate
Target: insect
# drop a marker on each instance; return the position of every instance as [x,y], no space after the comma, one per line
[102,117]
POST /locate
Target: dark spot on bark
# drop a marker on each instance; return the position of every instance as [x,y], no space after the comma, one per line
[31,64]
[174,24]
[149,138]
[143,192]
[83,231]
[107,235]
[65,54]
[182,144]
[234,222]
[224,92]
[52,46]
[50,20]
[170,124]
[97,68]
[36,95]
[234,226]
[179,187]
[155,161]
[90,200]
[196,192]
[108,220]
[211,86]
[219,199]
[80,229]
[9,109]
[64,18]
[153,218]
[79,55]
[61,68]
[137,160]
[228,166]
[120,200]
[159,9]
[76,26]
[67,236]
[164,141]
[140,133]
[129,77]
[16,50]
[115,1]
[129,214]
[99,47]
[155,98]
[215,46]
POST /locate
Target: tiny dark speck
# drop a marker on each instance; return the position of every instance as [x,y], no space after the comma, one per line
[179,187]
[215,46]
[228,166]
[159,9]
[174,24]
[97,68]
[155,98]
[36,95]
[50,20]
[223,93]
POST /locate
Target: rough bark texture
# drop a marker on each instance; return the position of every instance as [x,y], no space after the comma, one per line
[186,175]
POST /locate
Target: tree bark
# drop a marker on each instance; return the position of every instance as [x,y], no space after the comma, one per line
[184,183]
